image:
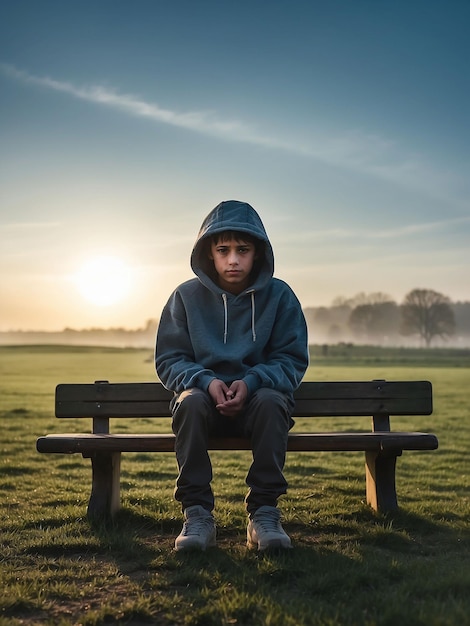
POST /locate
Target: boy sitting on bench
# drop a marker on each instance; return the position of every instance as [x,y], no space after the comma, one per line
[232,346]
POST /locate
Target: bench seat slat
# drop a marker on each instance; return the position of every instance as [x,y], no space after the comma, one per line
[337,441]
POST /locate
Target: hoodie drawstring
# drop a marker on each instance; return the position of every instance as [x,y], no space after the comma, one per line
[253,318]
[224,298]
[253,330]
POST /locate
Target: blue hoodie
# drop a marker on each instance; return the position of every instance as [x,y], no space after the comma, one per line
[258,336]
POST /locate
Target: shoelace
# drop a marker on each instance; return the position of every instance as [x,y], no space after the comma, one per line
[269,521]
[196,526]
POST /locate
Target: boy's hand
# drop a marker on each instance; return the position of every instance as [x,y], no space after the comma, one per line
[236,398]
[218,391]
[228,401]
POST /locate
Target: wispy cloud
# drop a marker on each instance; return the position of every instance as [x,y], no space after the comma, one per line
[363,234]
[438,226]
[199,121]
[347,149]
[358,151]
[25,226]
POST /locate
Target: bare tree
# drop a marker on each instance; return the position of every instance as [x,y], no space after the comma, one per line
[428,314]
[375,321]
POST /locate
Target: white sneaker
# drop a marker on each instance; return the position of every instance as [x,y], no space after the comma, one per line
[198,530]
[264,531]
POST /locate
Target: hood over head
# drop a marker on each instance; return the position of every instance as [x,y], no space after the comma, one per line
[232,215]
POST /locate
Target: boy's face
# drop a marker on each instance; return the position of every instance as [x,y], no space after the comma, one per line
[233,262]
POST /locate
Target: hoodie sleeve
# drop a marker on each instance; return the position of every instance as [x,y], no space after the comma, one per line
[174,354]
[287,352]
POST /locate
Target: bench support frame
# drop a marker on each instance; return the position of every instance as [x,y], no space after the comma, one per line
[381,490]
[105,499]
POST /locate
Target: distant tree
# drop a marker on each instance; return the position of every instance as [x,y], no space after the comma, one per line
[361,299]
[321,316]
[462,317]
[361,319]
[428,314]
[375,321]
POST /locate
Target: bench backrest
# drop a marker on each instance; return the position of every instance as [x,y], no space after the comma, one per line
[377,398]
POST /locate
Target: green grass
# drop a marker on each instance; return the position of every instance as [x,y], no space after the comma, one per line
[349,565]
[357,355]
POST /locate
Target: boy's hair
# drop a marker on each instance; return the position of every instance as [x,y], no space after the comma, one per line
[239,236]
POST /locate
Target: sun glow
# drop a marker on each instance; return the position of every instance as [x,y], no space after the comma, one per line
[104,280]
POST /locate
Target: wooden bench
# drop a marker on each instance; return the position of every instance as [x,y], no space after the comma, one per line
[378,399]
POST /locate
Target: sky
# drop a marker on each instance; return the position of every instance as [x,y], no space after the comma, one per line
[345,124]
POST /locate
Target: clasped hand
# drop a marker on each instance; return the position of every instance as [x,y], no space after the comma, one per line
[228,400]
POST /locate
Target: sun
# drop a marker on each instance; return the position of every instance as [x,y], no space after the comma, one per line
[104,280]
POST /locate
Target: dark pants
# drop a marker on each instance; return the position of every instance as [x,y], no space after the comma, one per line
[266,420]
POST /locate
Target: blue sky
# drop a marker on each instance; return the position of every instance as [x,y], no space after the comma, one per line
[344,123]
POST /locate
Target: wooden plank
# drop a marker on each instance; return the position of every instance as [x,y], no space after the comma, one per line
[112,399]
[341,407]
[332,407]
[308,390]
[116,392]
[363,389]
[313,399]
[356,398]
[88,444]
[118,409]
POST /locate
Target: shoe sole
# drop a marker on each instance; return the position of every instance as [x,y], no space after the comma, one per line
[194,547]
[275,544]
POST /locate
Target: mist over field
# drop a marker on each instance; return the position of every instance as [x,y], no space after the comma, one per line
[326,326]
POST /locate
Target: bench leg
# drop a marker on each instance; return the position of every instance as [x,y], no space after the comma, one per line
[380,480]
[105,496]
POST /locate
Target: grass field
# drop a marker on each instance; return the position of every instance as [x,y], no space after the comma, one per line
[349,565]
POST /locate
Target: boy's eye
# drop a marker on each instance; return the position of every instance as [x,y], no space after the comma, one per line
[225,249]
